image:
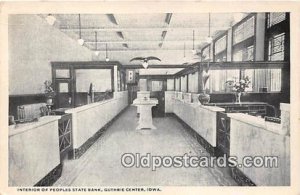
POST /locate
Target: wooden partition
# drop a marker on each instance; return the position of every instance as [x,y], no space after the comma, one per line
[69,77]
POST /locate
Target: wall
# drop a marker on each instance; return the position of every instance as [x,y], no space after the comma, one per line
[88,119]
[33,44]
[262,139]
[200,118]
[33,151]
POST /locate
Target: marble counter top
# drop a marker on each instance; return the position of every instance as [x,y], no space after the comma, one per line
[88,106]
[20,128]
[145,102]
[257,122]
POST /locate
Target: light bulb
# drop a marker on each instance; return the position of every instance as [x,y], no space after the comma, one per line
[106,59]
[145,65]
[80,42]
[50,19]
[194,51]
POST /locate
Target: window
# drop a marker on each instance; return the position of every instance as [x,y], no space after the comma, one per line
[156,86]
[62,73]
[276,47]
[177,82]
[245,54]
[193,82]
[244,31]
[275,18]
[205,53]
[218,78]
[220,44]
[183,83]
[260,79]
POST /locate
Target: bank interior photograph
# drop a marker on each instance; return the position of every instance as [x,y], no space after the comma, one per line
[150,99]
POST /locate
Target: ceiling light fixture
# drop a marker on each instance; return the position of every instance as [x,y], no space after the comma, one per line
[209,39]
[106,56]
[145,60]
[96,43]
[194,51]
[184,57]
[80,40]
[145,64]
[50,19]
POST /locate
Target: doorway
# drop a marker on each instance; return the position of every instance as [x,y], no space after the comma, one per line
[64,94]
[157,88]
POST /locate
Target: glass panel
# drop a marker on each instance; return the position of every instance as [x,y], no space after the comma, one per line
[63,87]
[261,80]
[245,54]
[177,80]
[119,80]
[244,31]
[220,44]
[157,86]
[170,84]
[276,47]
[100,78]
[62,73]
[275,18]
[205,53]
[183,83]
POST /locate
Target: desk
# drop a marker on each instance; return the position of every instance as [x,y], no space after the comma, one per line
[145,108]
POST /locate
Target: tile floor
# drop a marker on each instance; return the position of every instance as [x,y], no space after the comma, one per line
[101,164]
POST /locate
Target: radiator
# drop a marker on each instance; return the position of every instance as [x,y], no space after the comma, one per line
[29,112]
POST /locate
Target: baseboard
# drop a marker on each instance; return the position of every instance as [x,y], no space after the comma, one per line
[207,146]
[78,152]
[170,115]
[241,178]
[51,177]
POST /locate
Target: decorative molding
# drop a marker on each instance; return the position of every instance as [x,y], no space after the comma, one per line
[51,177]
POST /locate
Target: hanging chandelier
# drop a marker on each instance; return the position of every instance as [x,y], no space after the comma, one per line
[209,39]
[80,40]
[106,55]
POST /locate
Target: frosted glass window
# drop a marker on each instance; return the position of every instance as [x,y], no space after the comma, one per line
[244,30]
[170,84]
[220,44]
[206,53]
[100,78]
[157,86]
[183,83]
[275,18]
[62,73]
[276,47]
[177,82]
[63,87]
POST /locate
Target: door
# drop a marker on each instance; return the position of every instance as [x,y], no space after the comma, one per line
[63,94]
[132,92]
[157,88]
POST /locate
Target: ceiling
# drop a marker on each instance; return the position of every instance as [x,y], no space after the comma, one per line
[169,36]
